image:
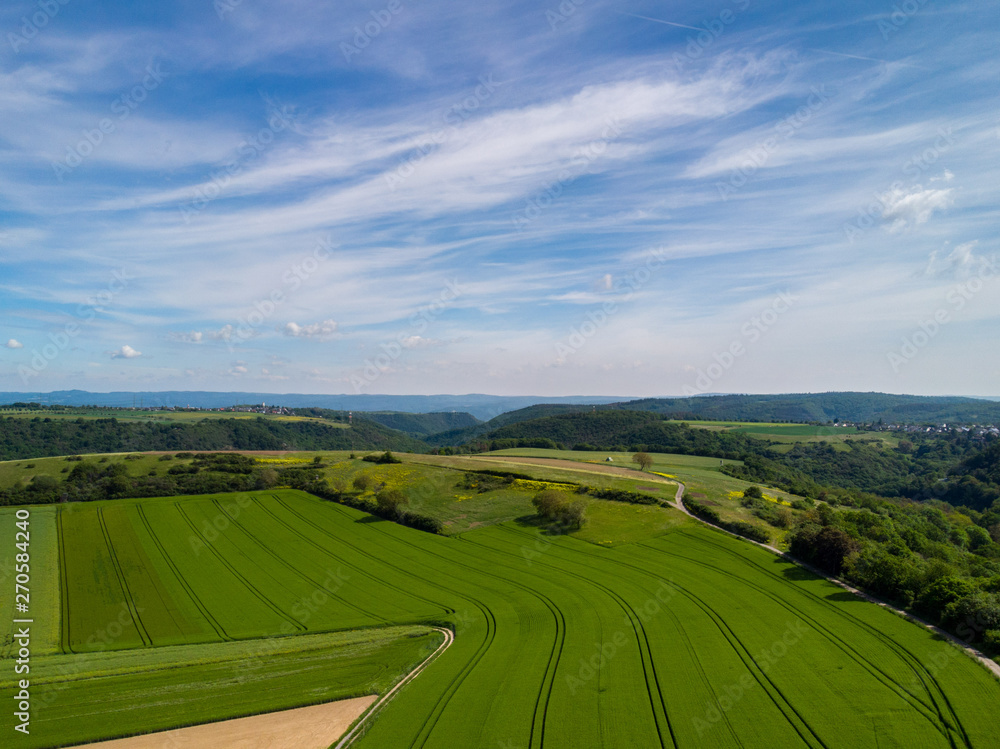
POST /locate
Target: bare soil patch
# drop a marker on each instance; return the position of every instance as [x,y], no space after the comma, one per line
[314,727]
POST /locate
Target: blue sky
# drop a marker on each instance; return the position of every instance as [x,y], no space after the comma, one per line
[411,196]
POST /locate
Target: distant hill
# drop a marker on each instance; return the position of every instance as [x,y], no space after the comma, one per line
[805,407]
[461,436]
[619,430]
[40,437]
[825,407]
[481,406]
[421,426]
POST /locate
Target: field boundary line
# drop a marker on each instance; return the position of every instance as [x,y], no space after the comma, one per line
[354,733]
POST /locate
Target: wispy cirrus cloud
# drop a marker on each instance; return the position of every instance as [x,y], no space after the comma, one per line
[612,131]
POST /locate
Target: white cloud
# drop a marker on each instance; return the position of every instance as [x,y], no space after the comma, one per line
[906,207]
[12,343]
[125,352]
[416,341]
[323,329]
[960,262]
[192,337]
[269,375]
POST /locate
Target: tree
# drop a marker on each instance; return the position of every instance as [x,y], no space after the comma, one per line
[362,482]
[389,502]
[558,508]
[754,492]
[546,503]
[979,538]
[267,478]
[643,460]
[833,546]
[943,592]
[571,514]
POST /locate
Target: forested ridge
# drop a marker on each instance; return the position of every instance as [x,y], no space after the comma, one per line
[42,437]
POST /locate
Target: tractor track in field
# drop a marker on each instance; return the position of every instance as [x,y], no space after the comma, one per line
[911,660]
[213,622]
[678,504]
[540,714]
[294,570]
[641,637]
[744,655]
[317,528]
[122,582]
[805,731]
[932,712]
[488,615]
[453,686]
[623,604]
[557,647]
[64,624]
[237,574]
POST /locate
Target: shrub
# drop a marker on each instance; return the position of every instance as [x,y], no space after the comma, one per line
[991,640]
[389,502]
[557,507]
[420,522]
[483,483]
[620,495]
[363,482]
[739,527]
[383,459]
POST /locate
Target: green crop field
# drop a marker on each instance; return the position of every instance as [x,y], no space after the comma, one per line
[119,693]
[683,638]
[787,435]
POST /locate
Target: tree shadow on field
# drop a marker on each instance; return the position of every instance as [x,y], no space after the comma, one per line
[547,527]
[794,573]
[845,596]
[371,519]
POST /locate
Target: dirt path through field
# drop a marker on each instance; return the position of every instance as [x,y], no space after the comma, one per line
[314,727]
[449,637]
[571,465]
